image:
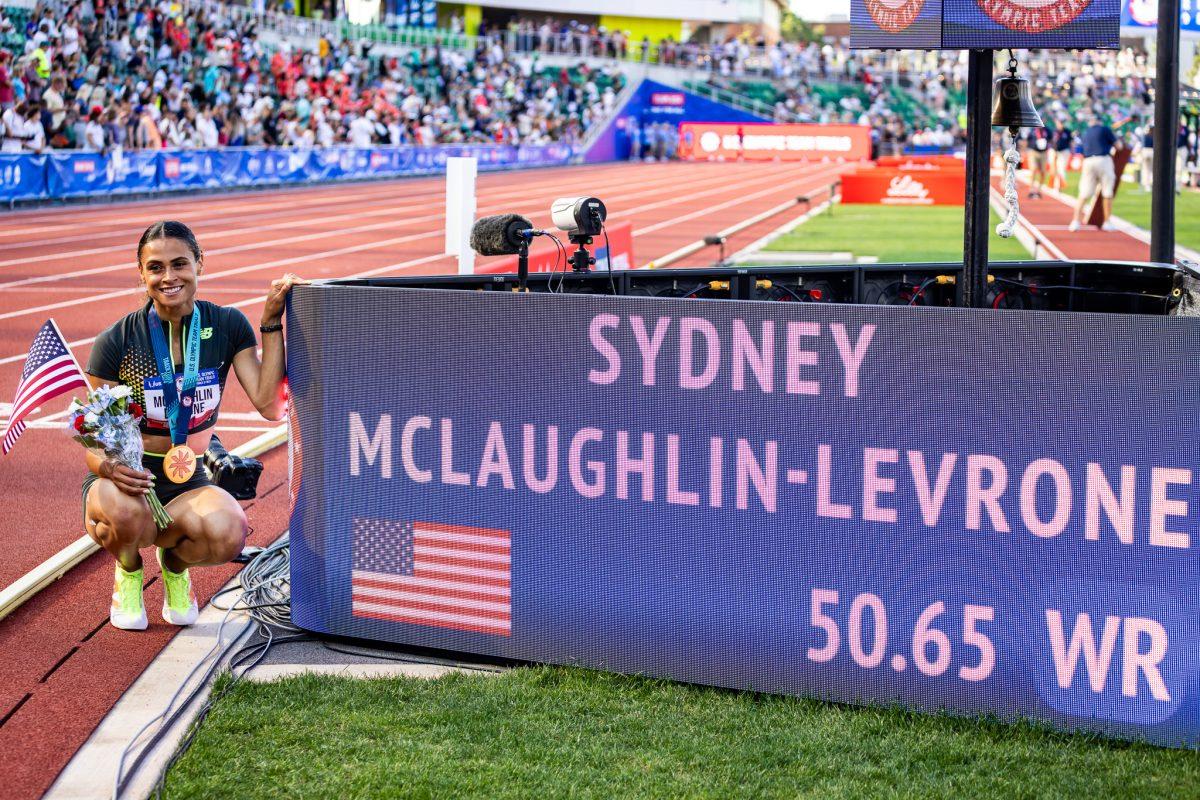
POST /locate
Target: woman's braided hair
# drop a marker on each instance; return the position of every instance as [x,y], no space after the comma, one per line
[170,229]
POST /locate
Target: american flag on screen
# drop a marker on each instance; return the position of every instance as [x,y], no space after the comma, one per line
[50,370]
[429,573]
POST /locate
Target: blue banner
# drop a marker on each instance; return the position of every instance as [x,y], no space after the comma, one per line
[23,177]
[651,105]
[195,168]
[120,172]
[74,174]
[951,509]
[1144,14]
[129,172]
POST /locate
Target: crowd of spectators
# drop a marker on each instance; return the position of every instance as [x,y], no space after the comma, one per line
[794,68]
[110,74]
[728,56]
[135,74]
[907,98]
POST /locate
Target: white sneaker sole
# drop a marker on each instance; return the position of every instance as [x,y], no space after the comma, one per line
[126,622]
[189,618]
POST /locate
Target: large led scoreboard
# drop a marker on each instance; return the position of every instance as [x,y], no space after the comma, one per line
[972,24]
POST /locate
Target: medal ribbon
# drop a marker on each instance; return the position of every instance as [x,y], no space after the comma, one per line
[178,404]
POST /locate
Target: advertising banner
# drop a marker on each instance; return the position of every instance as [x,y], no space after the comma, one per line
[1144,14]
[801,498]
[192,168]
[919,161]
[652,107]
[710,141]
[22,177]
[73,173]
[544,256]
[70,174]
[132,171]
[912,186]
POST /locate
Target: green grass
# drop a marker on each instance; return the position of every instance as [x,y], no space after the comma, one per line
[894,233]
[555,732]
[1133,205]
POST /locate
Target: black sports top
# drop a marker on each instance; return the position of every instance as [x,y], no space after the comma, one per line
[123,354]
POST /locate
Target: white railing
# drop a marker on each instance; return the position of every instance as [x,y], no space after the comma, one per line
[600,126]
[750,104]
[690,56]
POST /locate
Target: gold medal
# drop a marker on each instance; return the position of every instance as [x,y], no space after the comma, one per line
[180,464]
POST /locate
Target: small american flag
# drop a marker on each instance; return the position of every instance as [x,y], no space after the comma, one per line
[429,573]
[50,370]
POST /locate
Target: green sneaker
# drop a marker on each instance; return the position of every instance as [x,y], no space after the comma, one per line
[179,601]
[127,611]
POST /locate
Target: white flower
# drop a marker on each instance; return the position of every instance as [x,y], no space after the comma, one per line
[91,419]
[121,391]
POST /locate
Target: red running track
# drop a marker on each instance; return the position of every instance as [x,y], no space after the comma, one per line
[61,666]
[1052,216]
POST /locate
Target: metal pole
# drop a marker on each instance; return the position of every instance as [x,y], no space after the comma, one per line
[1166,131]
[972,288]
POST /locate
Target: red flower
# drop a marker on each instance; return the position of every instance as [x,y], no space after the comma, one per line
[136,410]
[79,423]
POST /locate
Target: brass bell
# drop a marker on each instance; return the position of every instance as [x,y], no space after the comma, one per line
[1013,106]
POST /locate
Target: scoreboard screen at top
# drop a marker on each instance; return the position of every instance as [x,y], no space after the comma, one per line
[996,24]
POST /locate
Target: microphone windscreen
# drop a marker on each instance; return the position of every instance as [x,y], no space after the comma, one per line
[490,235]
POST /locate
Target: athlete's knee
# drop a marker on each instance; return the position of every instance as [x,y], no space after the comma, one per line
[123,523]
[224,534]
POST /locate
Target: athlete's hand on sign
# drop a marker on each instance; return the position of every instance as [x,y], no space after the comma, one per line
[128,480]
[277,296]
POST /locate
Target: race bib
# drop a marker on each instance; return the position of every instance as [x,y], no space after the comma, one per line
[205,401]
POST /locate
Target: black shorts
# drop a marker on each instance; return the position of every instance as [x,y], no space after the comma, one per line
[163,487]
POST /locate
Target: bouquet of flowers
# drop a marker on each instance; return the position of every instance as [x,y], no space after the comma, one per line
[109,420]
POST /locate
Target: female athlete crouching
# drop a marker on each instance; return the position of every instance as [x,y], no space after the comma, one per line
[175,353]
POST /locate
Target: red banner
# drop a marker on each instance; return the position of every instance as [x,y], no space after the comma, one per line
[544,256]
[921,162]
[896,187]
[720,141]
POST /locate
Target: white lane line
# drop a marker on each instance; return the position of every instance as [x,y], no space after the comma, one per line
[727,188]
[242,428]
[52,420]
[366,274]
[195,225]
[390,211]
[250,301]
[53,568]
[196,205]
[206,204]
[59,290]
[724,187]
[325,200]
[282,262]
[242,416]
[255,245]
[720,207]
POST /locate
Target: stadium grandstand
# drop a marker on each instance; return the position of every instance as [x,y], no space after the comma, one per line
[139,76]
[125,75]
